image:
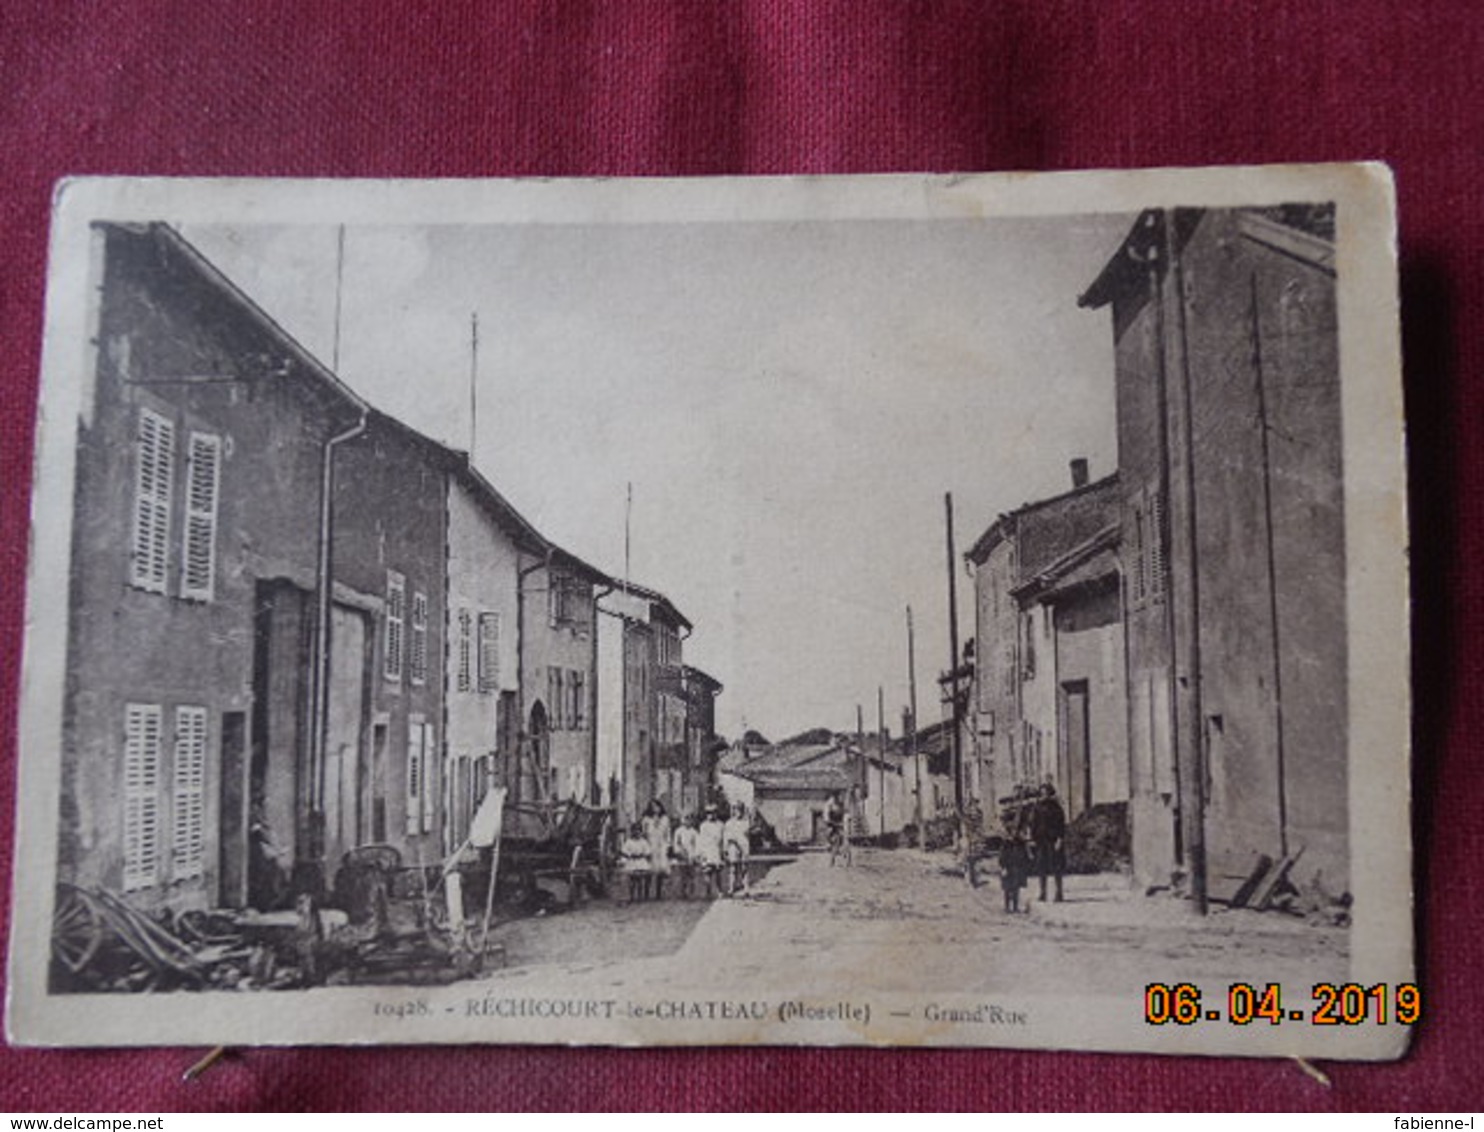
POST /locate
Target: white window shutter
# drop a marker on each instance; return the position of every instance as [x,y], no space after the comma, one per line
[203,488]
[188,855]
[1157,538]
[396,614]
[489,652]
[415,771]
[464,681]
[431,777]
[154,478]
[418,660]
[142,724]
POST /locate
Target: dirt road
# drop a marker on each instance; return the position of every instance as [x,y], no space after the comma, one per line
[907,921]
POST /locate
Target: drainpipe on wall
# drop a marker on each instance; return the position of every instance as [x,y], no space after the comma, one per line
[319,732]
[1192,724]
[520,662]
[684,634]
[593,792]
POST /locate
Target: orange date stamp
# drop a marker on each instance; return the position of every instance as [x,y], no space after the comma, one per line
[1327,1004]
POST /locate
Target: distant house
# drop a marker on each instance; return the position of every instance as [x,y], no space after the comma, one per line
[928,772]
[558,647]
[647,711]
[1047,694]
[1076,692]
[887,804]
[699,690]
[1229,441]
[791,786]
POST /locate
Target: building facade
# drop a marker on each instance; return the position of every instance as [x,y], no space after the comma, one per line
[702,746]
[488,544]
[647,732]
[196,561]
[1229,440]
[1047,689]
[557,755]
[1074,699]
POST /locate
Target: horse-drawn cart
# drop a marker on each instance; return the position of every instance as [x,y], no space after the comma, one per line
[562,851]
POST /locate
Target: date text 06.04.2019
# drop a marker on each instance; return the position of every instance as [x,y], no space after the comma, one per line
[1327,1004]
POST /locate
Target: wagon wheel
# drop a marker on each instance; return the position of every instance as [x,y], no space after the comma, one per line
[164,956]
[522,880]
[200,927]
[77,928]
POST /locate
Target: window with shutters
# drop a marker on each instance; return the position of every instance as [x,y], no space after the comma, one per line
[142,725]
[203,487]
[489,652]
[1028,652]
[418,649]
[577,681]
[154,472]
[1155,542]
[556,696]
[396,614]
[463,652]
[570,601]
[188,798]
[416,778]
[1138,573]
[432,778]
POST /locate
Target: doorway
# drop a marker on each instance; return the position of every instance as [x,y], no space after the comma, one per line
[233,848]
[345,754]
[1076,729]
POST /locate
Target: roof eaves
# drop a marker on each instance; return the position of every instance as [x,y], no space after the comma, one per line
[167,236]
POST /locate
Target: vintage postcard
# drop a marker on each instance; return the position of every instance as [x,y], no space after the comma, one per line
[892,610]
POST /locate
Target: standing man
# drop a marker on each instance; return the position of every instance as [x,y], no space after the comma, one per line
[836,820]
[1049,832]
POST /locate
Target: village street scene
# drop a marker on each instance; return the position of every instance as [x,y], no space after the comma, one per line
[507,675]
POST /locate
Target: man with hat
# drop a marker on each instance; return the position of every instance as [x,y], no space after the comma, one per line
[1049,832]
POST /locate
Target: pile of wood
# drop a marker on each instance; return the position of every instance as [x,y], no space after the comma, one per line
[101,944]
[1269,885]
[1098,840]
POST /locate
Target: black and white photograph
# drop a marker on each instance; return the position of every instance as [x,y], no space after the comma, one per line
[886,610]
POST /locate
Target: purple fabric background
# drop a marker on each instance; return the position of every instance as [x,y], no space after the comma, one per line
[465,88]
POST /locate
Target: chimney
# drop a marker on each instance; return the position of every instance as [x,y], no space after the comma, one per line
[1079,472]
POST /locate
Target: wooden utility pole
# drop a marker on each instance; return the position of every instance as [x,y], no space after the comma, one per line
[860,748]
[628,518]
[881,752]
[473,383]
[1267,507]
[1185,598]
[910,731]
[958,754]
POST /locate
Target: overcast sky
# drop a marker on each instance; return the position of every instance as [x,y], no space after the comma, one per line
[789,400]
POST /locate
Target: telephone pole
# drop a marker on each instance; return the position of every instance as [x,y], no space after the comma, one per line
[881,753]
[473,382]
[958,754]
[910,730]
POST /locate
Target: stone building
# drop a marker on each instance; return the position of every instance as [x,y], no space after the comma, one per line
[1229,442]
[1048,688]
[192,713]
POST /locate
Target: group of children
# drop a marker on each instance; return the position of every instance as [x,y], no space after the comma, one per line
[710,848]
